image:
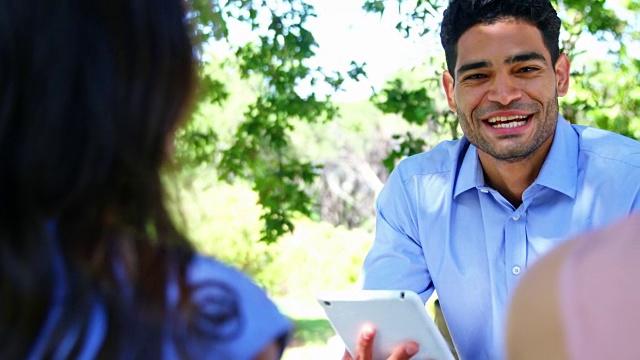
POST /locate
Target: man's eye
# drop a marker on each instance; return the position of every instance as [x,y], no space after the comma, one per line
[475,77]
[527,69]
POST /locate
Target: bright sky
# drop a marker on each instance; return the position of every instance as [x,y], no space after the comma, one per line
[346,33]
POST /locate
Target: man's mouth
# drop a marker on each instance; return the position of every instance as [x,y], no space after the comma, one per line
[506,122]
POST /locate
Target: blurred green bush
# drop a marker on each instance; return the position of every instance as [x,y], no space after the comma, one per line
[223,221]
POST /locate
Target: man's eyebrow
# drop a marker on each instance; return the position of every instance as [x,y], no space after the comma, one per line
[525,57]
[510,60]
[472,66]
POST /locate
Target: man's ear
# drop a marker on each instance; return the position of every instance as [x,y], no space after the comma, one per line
[563,68]
[448,83]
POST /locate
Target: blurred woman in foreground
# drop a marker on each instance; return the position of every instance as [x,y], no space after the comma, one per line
[581,300]
[91,265]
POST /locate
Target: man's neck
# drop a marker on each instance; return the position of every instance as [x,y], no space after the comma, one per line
[511,179]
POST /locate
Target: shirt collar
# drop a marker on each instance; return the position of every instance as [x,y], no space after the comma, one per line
[470,174]
[559,171]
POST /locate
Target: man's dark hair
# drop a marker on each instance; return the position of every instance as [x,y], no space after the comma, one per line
[461,15]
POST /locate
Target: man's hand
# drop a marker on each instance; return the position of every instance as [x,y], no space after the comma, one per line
[364,349]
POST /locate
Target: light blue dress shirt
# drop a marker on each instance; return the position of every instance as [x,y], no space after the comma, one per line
[439,227]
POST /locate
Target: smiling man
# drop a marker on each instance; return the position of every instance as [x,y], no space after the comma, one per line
[505,92]
[466,218]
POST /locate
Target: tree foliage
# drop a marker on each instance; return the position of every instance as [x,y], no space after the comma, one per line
[275,58]
[278,56]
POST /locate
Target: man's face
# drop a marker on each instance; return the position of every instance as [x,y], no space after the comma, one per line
[506,89]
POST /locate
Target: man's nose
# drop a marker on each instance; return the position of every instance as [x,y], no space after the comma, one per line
[504,90]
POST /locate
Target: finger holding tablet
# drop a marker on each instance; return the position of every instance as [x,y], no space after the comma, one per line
[364,348]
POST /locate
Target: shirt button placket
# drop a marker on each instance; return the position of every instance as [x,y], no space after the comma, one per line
[516,246]
[516,270]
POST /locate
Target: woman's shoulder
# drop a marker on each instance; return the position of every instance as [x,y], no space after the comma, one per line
[232,317]
[568,289]
[206,274]
[599,294]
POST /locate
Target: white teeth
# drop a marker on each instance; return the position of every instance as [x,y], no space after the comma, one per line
[505,118]
[509,125]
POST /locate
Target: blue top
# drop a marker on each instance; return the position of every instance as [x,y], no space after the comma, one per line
[261,323]
[439,227]
[258,322]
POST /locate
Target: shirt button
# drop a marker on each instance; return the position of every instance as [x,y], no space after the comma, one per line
[516,270]
[516,217]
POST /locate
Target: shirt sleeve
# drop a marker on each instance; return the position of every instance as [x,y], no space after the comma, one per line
[235,316]
[395,260]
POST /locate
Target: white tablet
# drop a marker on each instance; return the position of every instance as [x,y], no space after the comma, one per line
[398,317]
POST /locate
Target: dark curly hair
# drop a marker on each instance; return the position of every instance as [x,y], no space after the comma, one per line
[461,15]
